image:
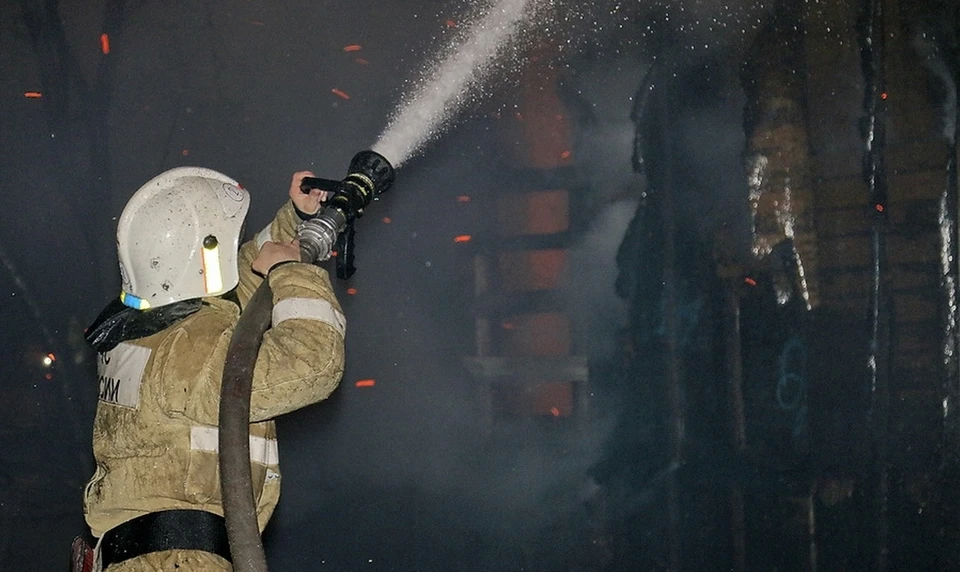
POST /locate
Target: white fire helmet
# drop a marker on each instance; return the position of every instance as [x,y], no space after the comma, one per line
[178,237]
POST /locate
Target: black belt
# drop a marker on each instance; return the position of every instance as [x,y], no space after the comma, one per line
[166,530]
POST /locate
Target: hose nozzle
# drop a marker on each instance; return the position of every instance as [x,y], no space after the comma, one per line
[369,175]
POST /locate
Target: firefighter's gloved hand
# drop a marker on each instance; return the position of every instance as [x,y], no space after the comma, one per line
[306,203]
[273,253]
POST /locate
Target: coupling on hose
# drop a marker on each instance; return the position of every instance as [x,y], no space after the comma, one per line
[318,235]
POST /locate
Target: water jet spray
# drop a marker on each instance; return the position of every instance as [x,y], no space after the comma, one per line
[446,86]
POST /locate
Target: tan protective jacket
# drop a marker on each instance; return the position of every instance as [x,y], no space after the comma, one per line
[155,433]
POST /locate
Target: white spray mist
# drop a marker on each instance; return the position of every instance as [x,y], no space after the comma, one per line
[451,82]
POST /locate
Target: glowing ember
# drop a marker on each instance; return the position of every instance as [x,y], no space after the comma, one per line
[33,95]
[463,238]
[339,93]
[366,383]
[105,43]
[352,48]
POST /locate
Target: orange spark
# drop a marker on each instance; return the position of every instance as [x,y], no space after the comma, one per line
[463,199]
[565,155]
[352,291]
[555,411]
[105,43]
[185,152]
[365,383]
[750,281]
[879,207]
[51,357]
[883,95]
[462,238]
[33,95]
[362,61]
[387,220]
[340,93]
[352,48]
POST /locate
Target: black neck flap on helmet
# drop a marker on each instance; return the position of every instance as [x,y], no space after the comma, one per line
[119,322]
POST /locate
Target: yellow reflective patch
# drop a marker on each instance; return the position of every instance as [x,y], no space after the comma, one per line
[212,279]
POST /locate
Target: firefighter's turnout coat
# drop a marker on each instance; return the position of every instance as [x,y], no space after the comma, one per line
[155,433]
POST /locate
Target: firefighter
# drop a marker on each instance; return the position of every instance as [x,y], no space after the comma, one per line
[154,500]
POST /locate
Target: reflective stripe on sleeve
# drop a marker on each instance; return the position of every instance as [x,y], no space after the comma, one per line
[264,236]
[309,309]
[262,450]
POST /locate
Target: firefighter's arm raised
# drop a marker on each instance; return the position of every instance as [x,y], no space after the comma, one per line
[282,230]
[302,354]
[301,357]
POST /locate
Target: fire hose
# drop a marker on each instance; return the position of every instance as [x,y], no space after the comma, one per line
[369,175]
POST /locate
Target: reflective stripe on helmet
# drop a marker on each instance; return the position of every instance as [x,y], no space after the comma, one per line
[309,309]
[134,302]
[212,277]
